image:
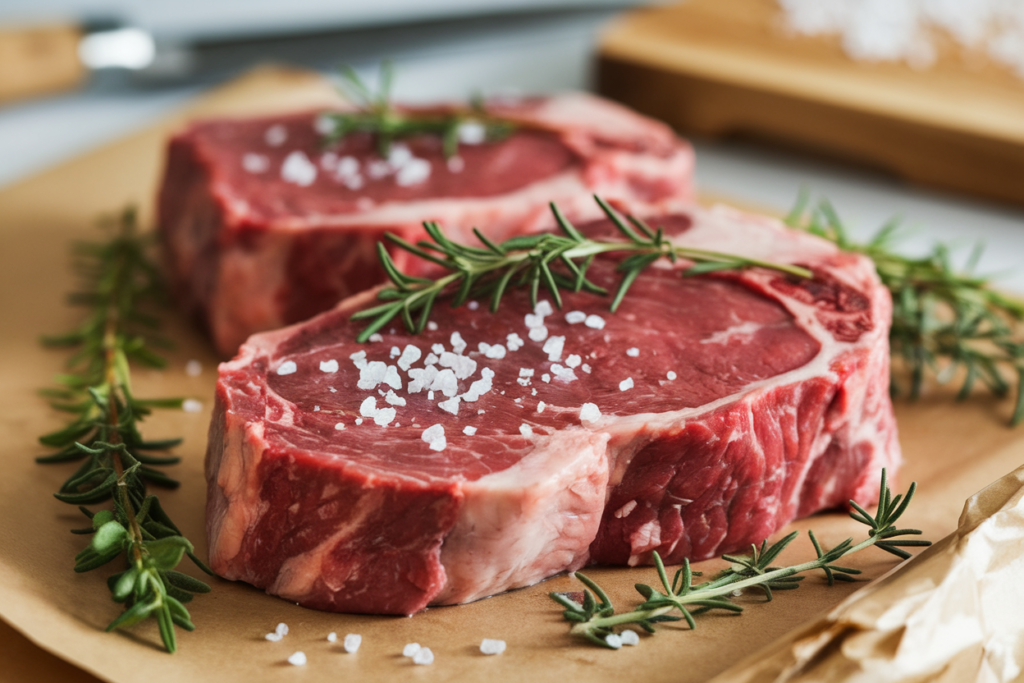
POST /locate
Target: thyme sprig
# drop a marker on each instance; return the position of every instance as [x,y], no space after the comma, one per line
[119,282]
[532,261]
[594,618]
[944,321]
[377,115]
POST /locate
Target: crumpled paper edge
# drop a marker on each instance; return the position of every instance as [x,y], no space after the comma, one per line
[954,613]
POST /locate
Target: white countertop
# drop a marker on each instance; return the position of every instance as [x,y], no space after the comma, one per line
[546,53]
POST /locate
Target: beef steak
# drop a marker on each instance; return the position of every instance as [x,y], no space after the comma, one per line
[495,450]
[261,226]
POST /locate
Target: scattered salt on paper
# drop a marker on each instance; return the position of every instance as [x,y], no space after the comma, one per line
[410,649]
[352,643]
[423,656]
[490,646]
[298,659]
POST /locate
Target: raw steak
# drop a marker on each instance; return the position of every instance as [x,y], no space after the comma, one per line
[261,226]
[495,450]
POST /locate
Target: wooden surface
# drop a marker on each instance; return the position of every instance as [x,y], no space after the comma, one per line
[952,450]
[39,60]
[720,67]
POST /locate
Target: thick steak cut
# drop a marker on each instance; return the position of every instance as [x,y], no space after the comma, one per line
[261,226]
[495,450]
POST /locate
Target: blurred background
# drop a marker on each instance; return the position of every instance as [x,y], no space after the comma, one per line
[768,90]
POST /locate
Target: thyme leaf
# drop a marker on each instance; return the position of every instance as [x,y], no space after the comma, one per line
[946,323]
[595,619]
[119,282]
[531,261]
[376,114]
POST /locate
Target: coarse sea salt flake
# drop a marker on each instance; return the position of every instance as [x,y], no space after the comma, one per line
[352,643]
[410,354]
[526,372]
[297,659]
[339,426]
[371,375]
[446,383]
[332,637]
[384,417]
[275,135]
[585,368]
[495,352]
[287,368]
[392,378]
[563,373]
[316,409]
[394,399]
[193,368]
[410,649]
[358,421]
[472,133]
[541,406]
[538,334]
[671,374]
[545,377]
[490,646]
[532,320]
[434,436]
[273,637]
[573,361]
[423,656]
[255,163]
[329,365]
[633,352]
[626,384]
[457,342]
[590,413]
[368,408]
[473,305]
[543,308]
[526,430]
[553,347]
[614,640]
[629,637]
[394,352]
[414,172]
[431,359]
[376,337]
[281,629]
[190,405]
[469,431]
[523,381]
[514,342]
[451,405]
[594,322]
[437,348]
[573,317]
[298,169]
[432,326]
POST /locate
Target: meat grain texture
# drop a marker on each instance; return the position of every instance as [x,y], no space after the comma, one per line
[262,226]
[495,450]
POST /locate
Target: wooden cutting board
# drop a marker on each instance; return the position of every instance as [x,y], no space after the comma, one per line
[51,616]
[723,67]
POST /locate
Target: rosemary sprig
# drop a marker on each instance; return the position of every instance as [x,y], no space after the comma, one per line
[531,261]
[944,321]
[595,618]
[119,281]
[376,115]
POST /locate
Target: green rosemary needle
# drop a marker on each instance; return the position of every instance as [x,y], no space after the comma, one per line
[375,114]
[595,619]
[944,321]
[119,282]
[530,261]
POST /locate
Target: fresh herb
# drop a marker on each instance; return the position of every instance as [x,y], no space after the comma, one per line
[945,323]
[119,283]
[594,618]
[531,261]
[376,115]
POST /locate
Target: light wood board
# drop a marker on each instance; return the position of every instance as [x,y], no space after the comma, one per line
[722,67]
[50,614]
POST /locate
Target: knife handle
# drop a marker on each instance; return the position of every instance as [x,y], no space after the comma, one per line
[39,60]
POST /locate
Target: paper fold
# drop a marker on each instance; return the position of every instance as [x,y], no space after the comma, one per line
[954,613]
